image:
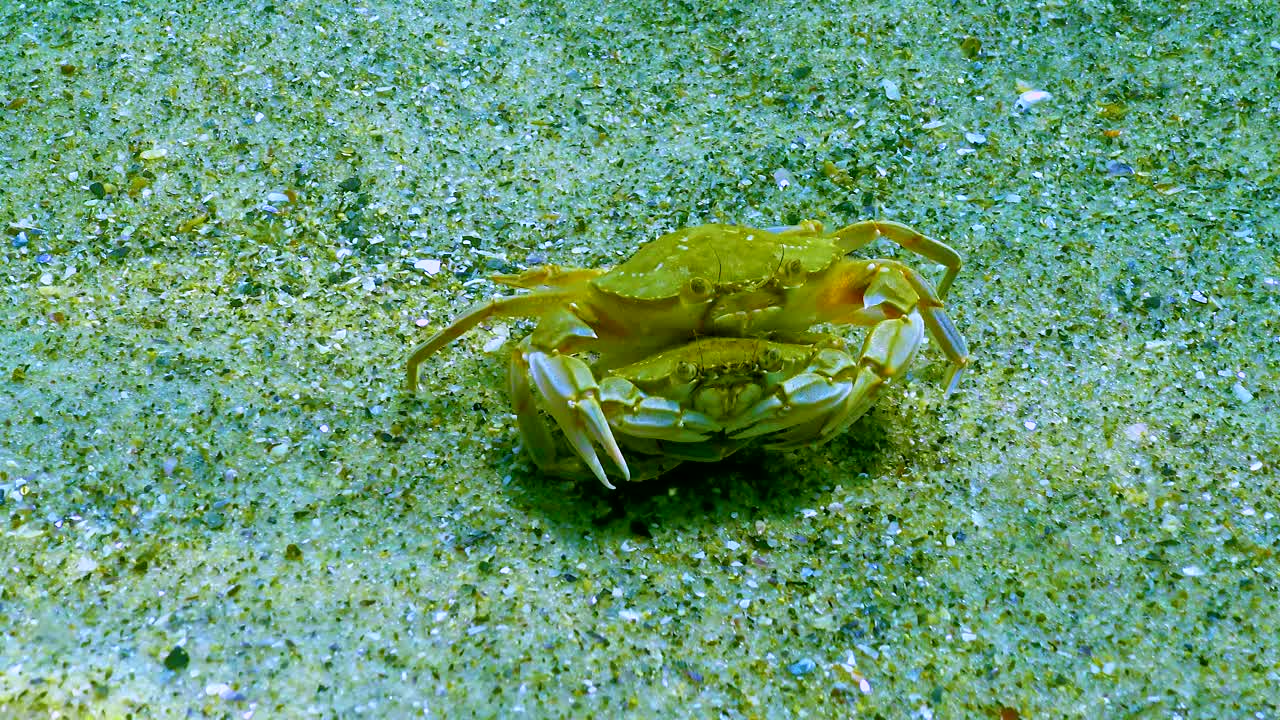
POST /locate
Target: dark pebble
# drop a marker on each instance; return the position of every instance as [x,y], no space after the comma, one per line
[97,190]
[497,265]
[351,184]
[177,659]
[19,240]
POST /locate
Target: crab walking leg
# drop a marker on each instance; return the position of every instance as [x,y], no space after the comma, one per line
[888,352]
[572,398]
[940,327]
[531,305]
[548,276]
[537,437]
[633,412]
[859,234]
[895,291]
[835,389]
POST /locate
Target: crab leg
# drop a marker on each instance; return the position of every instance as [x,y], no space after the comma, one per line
[632,411]
[835,390]
[572,398]
[545,303]
[548,276]
[852,237]
[940,327]
[518,306]
[536,435]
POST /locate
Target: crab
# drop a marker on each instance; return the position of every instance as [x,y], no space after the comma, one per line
[711,280]
[705,400]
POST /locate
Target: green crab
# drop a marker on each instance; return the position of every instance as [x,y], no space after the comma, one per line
[712,280]
[704,400]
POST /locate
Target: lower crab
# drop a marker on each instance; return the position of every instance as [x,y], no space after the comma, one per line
[705,400]
[711,280]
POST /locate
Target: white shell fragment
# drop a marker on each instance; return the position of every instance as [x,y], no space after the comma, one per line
[430,267]
[1029,98]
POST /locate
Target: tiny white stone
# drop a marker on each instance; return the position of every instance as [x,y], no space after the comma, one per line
[1241,392]
[1192,571]
[1029,98]
[277,198]
[1136,431]
[429,266]
[1030,424]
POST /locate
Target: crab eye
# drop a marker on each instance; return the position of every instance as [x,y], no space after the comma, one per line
[771,360]
[686,372]
[698,288]
[792,272]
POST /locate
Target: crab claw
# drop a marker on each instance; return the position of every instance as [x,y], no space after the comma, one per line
[573,400]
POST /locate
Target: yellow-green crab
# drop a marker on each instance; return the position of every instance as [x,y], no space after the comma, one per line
[704,400]
[711,280]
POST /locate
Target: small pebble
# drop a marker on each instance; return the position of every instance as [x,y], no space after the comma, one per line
[1241,392]
[1115,168]
[44,258]
[891,89]
[351,184]
[177,659]
[1199,297]
[154,154]
[975,138]
[802,667]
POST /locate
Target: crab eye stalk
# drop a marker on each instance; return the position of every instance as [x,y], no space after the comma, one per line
[698,289]
[771,359]
[792,273]
[686,372]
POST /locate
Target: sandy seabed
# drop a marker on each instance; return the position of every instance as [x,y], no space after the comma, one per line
[226,228]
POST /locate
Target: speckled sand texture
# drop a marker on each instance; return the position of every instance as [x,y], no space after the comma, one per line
[225,229]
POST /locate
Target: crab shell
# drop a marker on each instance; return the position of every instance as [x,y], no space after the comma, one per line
[719,280]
